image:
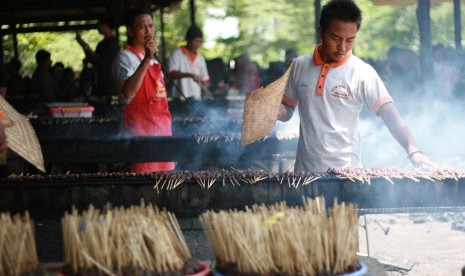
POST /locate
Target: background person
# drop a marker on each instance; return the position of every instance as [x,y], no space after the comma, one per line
[140,80]
[187,67]
[331,87]
[44,88]
[102,57]
[16,89]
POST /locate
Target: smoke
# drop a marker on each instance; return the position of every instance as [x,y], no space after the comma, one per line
[216,126]
[435,122]
[431,107]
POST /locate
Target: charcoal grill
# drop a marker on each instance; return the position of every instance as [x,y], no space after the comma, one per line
[47,197]
[196,141]
[188,194]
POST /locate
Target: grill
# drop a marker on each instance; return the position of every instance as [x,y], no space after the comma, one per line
[195,142]
[187,194]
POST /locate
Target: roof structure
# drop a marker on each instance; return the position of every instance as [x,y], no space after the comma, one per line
[59,13]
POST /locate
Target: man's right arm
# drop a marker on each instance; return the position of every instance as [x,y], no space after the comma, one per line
[127,79]
[285,112]
[134,82]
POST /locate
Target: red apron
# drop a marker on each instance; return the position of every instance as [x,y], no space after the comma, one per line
[148,114]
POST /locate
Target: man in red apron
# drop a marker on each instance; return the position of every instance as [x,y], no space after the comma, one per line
[140,81]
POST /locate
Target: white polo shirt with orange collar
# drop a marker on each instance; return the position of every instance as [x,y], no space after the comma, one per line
[330,97]
[183,60]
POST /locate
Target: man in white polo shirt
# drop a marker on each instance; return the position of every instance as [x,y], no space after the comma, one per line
[330,87]
[187,67]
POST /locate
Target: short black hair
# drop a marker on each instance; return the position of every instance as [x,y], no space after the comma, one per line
[343,10]
[42,56]
[133,13]
[193,32]
[109,19]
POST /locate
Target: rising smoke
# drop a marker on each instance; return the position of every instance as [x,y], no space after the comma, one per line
[431,107]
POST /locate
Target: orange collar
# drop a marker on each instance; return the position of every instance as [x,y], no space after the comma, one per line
[190,55]
[133,49]
[319,61]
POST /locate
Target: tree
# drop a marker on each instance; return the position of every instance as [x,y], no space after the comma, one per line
[265,30]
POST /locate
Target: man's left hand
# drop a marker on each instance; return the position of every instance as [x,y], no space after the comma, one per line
[422,161]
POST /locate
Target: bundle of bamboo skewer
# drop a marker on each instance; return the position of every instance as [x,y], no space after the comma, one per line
[118,241]
[278,240]
[18,254]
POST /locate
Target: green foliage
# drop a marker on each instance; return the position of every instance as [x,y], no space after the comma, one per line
[62,46]
[442,25]
[265,29]
[384,27]
[177,23]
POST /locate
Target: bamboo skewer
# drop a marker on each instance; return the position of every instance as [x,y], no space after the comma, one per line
[115,240]
[279,240]
[18,253]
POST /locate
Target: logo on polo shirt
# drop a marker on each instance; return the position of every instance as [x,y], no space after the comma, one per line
[341,91]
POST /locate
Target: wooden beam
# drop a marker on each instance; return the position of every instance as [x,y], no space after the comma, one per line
[457,25]
[424,26]
[52,15]
[192,8]
[52,28]
[317,19]
[15,41]
[162,32]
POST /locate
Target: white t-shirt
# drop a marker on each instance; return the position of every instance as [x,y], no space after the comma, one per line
[179,61]
[329,136]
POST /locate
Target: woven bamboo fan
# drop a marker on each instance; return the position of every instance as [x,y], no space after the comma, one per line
[21,137]
[261,109]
